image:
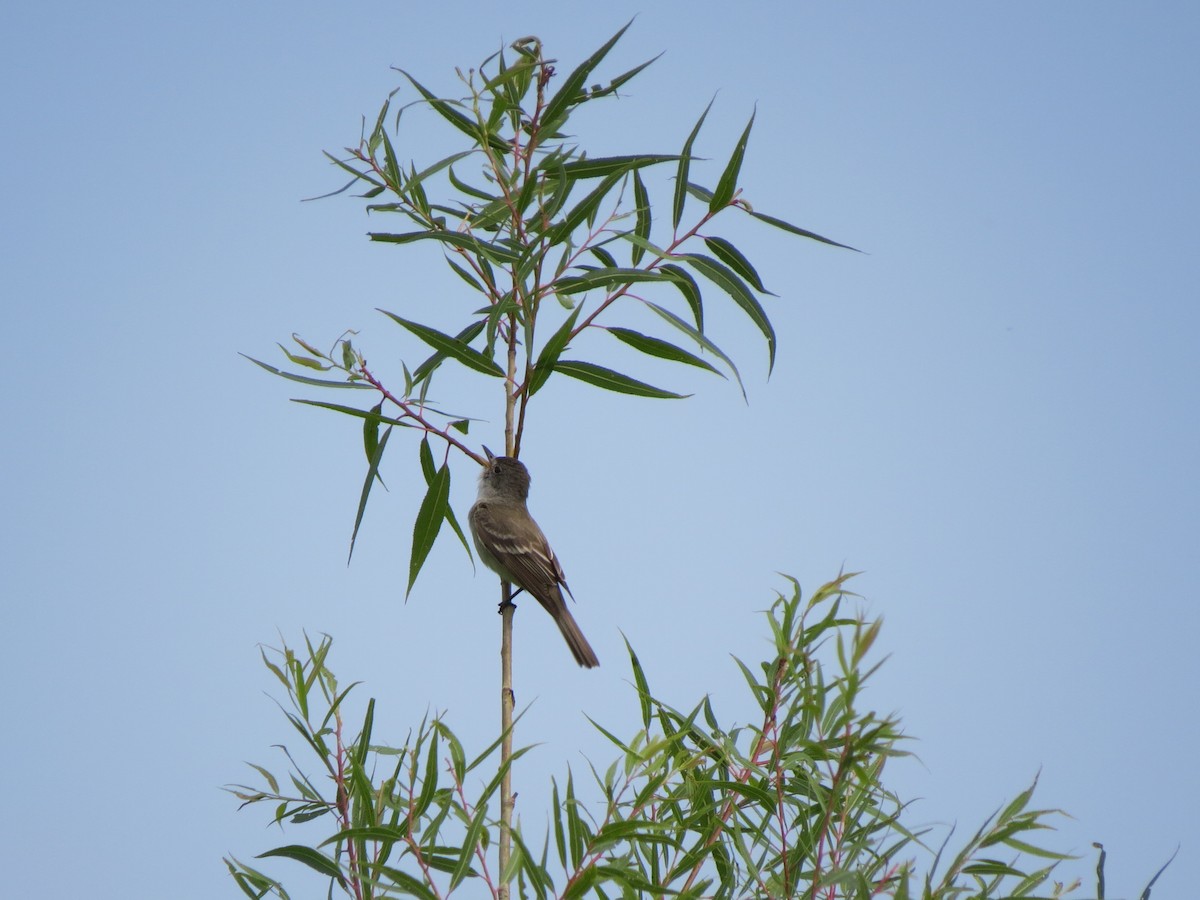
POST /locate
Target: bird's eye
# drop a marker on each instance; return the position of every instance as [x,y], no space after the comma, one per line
[495,470]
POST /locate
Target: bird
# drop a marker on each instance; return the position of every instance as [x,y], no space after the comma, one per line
[511,544]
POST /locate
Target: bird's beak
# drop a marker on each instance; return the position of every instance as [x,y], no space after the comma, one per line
[490,455]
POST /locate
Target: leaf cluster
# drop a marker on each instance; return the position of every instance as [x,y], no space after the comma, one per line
[791,804]
[554,245]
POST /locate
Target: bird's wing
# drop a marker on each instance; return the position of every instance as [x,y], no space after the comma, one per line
[529,560]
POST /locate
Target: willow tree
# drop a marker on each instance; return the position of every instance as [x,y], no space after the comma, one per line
[554,244]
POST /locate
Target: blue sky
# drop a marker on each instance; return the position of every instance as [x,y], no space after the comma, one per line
[991,413]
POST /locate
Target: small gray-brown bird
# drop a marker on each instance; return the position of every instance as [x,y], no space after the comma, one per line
[511,545]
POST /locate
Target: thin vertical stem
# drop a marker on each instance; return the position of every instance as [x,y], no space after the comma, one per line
[506,618]
[506,721]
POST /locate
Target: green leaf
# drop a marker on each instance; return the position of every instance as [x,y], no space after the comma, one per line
[731,284]
[470,190]
[583,210]
[653,346]
[391,165]
[428,523]
[690,290]
[371,432]
[728,184]
[550,353]
[304,360]
[612,381]
[681,174]
[621,79]
[452,347]
[641,202]
[639,679]
[571,91]
[304,379]
[605,257]
[607,278]
[465,336]
[706,195]
[465,124]
[465,275]
[310,857]
[436,167]
[352,411]
[779,223]
[494,252]
[595,167]
[733,257]
[270,779]
[358,176]
[381,833]
[700,339]
[428,466]
[372,473]
[470,842]
[430,472]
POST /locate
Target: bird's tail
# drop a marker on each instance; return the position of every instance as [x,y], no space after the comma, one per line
[580,648]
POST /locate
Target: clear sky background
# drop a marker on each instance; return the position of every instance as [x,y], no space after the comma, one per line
[992,413]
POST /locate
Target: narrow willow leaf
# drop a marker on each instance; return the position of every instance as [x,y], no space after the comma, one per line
[310,857]
[461,121]
[470,841]
[465,336]
[607,278]
[595,167]
[304,360]
[785,226]
[465,275]
[730,283]
[494,252]
[363,742]
[375,450]
[728,183]
[428,466]
[605,257]
[469,190]
[583,210]
[560,842]
[700,339]
[653,346]
[417,193]
[377,131]
[428,523]
[436,167]
[550,353]
[690,290]
[681,174]
[733,257]
[643,687]
[641,201]
[382,833]
[571,91]
[391,166]
[352,411]
[622,79]
[358,176]
[304,379]
[462,538]
[706,195]
[508,75]
[456,349]
[644,245]
[612,381]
